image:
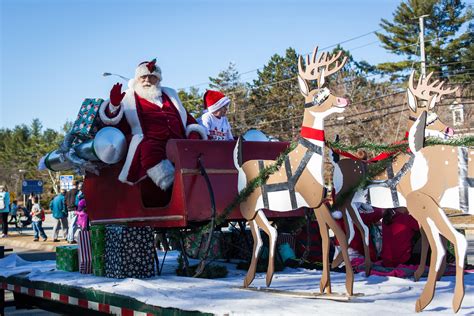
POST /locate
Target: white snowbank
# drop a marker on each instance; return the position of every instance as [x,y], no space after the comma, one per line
[13,264]
[382,295]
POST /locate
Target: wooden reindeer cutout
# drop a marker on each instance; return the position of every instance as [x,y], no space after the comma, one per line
[428,187]
[299,182]
[427,180]
[348,172]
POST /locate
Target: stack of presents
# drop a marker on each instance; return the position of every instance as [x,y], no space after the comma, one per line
[112,251]
[116,251]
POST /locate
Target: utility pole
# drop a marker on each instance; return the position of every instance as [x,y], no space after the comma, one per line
[422,45]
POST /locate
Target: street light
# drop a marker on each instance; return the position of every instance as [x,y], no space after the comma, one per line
[22,172]
[106,74]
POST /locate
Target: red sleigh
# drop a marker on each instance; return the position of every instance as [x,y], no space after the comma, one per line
[110,201]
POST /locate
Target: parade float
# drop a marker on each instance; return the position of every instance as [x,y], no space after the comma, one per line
[219,182]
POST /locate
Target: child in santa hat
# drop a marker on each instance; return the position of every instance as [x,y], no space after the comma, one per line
[215,120]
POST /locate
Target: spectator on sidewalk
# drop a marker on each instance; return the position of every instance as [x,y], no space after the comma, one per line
[13,213]
[82,217]
[4,209]
[70,200]
[29,202]
[59,212]
[38,215]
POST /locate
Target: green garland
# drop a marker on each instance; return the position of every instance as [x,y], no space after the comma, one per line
[467,141]
[373,170]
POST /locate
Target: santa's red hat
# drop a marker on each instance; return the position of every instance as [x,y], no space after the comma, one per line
[214,100]
[148,68]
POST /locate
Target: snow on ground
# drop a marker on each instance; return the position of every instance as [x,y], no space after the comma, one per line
[382,295]
[14,264]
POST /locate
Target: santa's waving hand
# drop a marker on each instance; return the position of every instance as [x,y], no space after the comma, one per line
[152,114]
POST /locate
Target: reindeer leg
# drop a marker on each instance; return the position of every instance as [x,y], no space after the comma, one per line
[364,231]
[325,283]
[429,289]
[423,208]
[424,254]
[445,261]
[262,221]
[343,242]
[437,220]
[257,246]
[336,262]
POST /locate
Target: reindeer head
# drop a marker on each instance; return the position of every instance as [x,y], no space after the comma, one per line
[320,101]
[420,99]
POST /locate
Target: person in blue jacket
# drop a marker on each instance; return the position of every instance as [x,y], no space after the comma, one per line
[59,212]
[4,209]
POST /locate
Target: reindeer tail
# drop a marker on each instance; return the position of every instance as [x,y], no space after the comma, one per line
[242,180]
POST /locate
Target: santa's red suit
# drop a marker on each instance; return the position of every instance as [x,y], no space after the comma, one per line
[151,126]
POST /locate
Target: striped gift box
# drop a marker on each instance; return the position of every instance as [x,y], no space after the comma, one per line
[85,254]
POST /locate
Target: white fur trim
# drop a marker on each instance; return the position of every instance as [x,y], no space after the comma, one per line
[219,104]
[162,174]
[110,120]
[196,128]
[132,148]
[142,70]
[173,95]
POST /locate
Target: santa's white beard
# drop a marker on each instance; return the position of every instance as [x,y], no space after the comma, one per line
[150,93]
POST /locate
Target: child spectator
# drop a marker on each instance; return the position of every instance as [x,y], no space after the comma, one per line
[13,213]
[38,214]
[82,217]
[398,230]
[215,120]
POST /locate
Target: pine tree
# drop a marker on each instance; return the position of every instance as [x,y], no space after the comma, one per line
[21,148]
[444,46]
[275,98]
[192,101]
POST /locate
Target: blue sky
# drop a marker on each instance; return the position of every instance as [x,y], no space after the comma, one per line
[53,52]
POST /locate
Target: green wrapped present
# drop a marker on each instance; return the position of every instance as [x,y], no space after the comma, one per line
[87,121]
[195,244]
[98,249]
[67,258]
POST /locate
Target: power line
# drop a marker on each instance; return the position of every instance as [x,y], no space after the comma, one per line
[290,79]
[335,45]
[360,102]
[353,103]
[248,89]
[324,48]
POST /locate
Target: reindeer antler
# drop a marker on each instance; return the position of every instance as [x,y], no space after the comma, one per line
[314,69]
[424,89]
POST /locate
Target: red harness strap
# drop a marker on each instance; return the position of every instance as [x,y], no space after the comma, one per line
[379,157]
[308,132]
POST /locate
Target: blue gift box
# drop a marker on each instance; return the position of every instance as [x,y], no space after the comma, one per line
[87,121]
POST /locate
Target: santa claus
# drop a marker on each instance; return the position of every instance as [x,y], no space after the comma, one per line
[152,115]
